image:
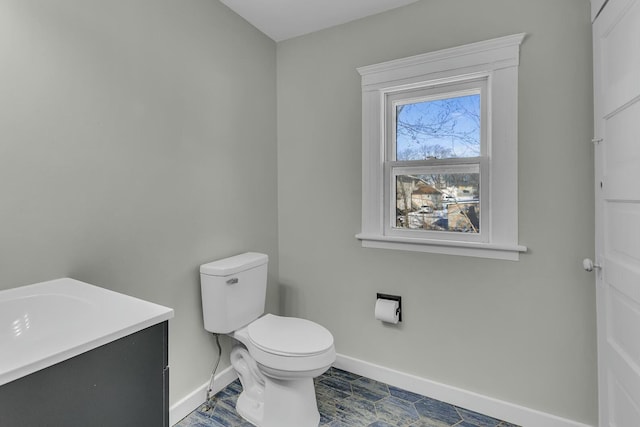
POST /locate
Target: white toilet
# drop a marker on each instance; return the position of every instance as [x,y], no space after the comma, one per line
[276,357]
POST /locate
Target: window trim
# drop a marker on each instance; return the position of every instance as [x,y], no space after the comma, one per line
[496,61]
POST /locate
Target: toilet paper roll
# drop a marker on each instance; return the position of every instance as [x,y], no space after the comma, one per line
[387,310]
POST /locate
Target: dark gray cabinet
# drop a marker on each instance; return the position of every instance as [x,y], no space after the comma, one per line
[120,384]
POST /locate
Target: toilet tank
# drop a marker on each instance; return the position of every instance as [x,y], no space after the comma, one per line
[233,291]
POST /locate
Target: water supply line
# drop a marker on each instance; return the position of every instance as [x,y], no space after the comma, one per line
[208,405]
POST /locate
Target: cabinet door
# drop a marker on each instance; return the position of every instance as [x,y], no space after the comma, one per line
[120,384]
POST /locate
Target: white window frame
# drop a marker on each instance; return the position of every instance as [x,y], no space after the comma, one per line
[393,167]
[493,63]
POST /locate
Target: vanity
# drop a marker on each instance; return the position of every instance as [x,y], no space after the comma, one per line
[73,354]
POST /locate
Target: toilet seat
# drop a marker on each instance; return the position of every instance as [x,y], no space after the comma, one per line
[286,346]
[289,336]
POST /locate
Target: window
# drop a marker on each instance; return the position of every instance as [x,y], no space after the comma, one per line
[440,151]
[435,146]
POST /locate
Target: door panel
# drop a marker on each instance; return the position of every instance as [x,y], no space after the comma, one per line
[620,53]
[624,231]
[621,276]
[622,157]
[622,312]
[624,411]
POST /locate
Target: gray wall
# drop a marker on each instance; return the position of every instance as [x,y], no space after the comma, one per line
[522,331]
[137,141]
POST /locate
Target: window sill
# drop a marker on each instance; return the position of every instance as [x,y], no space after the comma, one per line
[448,247]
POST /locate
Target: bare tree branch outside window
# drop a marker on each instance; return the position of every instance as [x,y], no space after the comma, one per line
[443,128]
[439,129]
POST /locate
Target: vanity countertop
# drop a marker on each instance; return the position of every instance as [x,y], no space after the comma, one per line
[48,322]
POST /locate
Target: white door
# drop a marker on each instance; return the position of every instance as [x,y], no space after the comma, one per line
[616,37]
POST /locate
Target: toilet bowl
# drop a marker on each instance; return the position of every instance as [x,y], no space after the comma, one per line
[275,357]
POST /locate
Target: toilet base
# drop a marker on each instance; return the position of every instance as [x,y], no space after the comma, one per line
[288,403]
[271,402]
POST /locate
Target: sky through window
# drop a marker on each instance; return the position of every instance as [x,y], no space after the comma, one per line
[440,129]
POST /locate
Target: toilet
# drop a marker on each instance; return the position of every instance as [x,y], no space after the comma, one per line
[275,357]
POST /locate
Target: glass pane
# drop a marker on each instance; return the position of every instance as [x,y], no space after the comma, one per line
[438,129]
[438,201]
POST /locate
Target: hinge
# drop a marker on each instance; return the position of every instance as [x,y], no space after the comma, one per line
[597,141]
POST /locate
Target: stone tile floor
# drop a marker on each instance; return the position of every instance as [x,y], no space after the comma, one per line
[349,400]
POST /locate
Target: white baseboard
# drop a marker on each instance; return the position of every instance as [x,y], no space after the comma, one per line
[499,409]
[506,411]
[190,402]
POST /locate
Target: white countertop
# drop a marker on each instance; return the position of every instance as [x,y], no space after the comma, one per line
[46,323]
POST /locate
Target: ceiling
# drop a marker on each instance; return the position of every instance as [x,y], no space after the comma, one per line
[285,19]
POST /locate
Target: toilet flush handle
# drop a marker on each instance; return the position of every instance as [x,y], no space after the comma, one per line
[232,281]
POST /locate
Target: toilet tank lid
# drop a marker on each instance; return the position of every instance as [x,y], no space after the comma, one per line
[234,264]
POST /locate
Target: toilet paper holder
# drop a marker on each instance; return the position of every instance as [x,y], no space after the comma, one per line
[393,298]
